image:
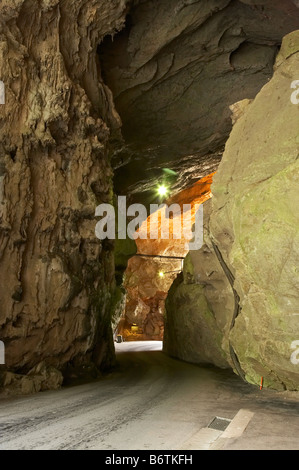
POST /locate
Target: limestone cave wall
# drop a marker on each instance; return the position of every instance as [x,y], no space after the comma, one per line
[56,126]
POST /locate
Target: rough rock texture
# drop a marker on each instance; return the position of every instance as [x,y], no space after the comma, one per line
[145,296]
[146,290]
[56,277]
[175,70]
[40,378]
[254,234]
[255,224]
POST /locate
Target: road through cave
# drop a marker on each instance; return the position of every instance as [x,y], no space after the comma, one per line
[151,402]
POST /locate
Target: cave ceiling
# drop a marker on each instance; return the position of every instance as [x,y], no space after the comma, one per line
[174,70]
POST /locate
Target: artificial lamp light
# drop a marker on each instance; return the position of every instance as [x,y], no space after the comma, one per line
[162,190]
[161,274]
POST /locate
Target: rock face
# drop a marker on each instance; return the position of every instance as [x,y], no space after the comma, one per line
[255,224]
[56,277]
[253,235]
[40,378]
[146,289]
[175,70]
[145,298]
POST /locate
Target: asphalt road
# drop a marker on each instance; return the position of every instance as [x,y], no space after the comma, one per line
[152,402]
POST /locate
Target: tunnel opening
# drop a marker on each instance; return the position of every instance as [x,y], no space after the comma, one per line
[163,241]
[178,107]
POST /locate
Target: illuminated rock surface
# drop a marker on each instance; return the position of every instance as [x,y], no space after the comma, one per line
[147,280]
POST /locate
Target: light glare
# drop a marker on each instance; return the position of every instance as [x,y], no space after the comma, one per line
[162,190]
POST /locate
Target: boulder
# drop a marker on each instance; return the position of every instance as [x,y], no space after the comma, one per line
[255,223]
[242,286]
